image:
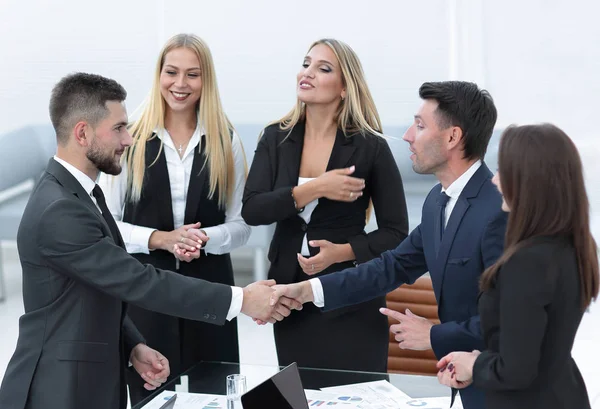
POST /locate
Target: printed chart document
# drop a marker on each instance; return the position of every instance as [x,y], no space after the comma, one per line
[384,395]
[189,401]
[375,395]
[320,398]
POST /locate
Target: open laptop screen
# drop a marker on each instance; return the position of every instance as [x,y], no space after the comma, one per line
[283,390]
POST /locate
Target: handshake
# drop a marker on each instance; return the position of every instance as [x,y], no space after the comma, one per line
[265,301]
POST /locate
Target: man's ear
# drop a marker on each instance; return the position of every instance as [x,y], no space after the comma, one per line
[81,133]
[455,137]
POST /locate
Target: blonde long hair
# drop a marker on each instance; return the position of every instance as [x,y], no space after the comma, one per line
[357,112]
[217,127]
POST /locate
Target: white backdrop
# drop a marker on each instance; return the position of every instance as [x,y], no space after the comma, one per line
[540,59]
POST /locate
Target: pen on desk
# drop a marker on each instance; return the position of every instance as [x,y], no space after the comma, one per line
[170,403]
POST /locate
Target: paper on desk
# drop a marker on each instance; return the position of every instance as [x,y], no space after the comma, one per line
[319,398]
[375,395]
[189,401]
[431,403]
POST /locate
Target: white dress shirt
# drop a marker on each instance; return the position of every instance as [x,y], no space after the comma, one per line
[84,180]
[453,191]
[456,188]
[223,238]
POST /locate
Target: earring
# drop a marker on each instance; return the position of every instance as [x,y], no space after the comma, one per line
[342,97]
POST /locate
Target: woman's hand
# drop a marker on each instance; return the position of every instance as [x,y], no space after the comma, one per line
[192,235]
[187,238]
[329,254]
[338,185]
[456,369]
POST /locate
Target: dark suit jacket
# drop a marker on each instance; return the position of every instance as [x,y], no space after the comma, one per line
[472,241]
[268,199]
[529,321]
[74,338]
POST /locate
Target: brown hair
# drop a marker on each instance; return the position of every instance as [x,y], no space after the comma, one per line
[538,164]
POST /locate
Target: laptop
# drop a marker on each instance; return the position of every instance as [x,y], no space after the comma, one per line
[283,390]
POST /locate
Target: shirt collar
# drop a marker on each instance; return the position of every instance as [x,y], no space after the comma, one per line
[164,136]
[83,179]
[456,188]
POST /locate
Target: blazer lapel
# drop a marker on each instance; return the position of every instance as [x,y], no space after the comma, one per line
[437,227]
[291,152]
[197,182]
[460,208]
[68,181]
[342,151]
[470,191]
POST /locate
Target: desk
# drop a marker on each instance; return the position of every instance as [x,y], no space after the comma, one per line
[209,378]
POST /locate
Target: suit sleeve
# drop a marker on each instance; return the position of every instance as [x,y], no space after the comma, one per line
[525,286]
[466,335]
[389,202]
[376,277]
[263,205]
[71,240]
[131,336]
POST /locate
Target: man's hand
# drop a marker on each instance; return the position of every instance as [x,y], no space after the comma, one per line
[412,332]
[456,369]
[152,366]
[301,292]
[259,305]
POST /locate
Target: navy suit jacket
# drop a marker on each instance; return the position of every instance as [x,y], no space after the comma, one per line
[473,240]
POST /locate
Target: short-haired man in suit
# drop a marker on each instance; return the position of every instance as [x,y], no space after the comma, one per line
[461,232]
[75,340]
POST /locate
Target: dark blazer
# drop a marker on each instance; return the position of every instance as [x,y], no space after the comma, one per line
[75,338]
[472,241]
[268,199]
[529,321]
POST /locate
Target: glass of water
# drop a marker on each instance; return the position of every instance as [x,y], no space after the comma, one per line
[236,387]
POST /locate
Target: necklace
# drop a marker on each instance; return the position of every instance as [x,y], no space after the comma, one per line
[180,149]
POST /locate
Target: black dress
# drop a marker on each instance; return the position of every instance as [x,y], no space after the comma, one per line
[354,337]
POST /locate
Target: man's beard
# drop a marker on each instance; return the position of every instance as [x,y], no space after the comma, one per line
[105,163]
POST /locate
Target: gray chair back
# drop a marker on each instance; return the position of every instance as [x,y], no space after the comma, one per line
[25,153]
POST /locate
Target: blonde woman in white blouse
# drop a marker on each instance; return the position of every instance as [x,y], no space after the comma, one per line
[177,201]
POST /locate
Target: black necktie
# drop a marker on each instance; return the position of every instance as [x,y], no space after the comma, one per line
[112,225]
[442,200]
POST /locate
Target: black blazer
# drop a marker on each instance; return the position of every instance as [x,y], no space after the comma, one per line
[529,321]
[75,338]
[268,199]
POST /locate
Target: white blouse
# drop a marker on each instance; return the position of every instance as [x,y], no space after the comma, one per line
[223,238]
[306,215]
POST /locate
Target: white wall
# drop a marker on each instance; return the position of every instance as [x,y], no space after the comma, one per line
[542,64]
[539,58]
[258,48]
